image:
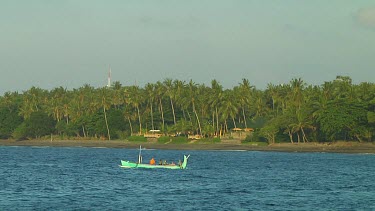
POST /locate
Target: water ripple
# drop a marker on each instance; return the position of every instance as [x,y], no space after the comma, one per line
[39,178]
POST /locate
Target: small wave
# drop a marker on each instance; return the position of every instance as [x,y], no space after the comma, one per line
[228,150]
[367,153]
[40,147]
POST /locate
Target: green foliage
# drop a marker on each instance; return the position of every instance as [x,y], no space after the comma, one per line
[180,140]
[116,122]
[173,140]
[294,111]
[20,132]
[9,121]
[164,139]
[371,117]
[122,135]
[254,137]
[71,129]
[182,126]
[208,129]
[137,139]
[269,131]
[39,124]
[340,118]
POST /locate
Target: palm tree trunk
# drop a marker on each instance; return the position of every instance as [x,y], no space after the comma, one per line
[183,113]
[162,113]
[221,130]
[304,136]
[189,116]
[199,123]
[131,127]
[83,131]
[140,123]
[217,120]
[298,137]
[234,122]
[152,117]
[290,136]
[174,115]
[358,137]
[244,117]
[106,123]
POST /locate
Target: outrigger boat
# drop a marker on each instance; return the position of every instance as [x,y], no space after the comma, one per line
[139,164]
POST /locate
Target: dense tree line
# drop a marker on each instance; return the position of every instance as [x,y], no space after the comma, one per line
[294,112]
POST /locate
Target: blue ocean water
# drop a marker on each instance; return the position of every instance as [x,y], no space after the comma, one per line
[64,178]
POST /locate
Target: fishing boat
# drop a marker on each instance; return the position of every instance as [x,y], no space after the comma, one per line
[139,164]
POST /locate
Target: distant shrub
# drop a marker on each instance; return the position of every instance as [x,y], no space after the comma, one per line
[208,141]
[137,139]
[180,140]
[173,140]
[19,132]
[122,135]
[164,139]
[254,137]
[216,140]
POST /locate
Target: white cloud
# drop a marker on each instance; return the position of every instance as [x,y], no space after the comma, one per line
[366,16]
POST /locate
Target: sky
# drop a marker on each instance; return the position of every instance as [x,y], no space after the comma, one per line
[69,43]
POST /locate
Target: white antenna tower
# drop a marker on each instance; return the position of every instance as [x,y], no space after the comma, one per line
[109,77]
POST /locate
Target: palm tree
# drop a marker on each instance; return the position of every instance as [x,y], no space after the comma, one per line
[134,96]
[117,99]
[342,87]
[214,99]
[84,104]
[297,92]
[150,92]
[54,105]
[105,102]
[10,100]
[178,87]
[170,91]
[245,96]
[228,107]
[129,115]
[192,94]
[260,106]
[273,92]
[32,101]
[366,91]
[159,89]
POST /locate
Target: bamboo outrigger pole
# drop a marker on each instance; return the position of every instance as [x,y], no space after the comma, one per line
[140,156]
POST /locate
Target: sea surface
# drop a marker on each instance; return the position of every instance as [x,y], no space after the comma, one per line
[78,178]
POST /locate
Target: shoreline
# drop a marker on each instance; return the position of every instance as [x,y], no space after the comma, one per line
[338,147]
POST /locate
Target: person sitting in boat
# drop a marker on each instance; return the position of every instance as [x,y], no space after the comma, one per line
[152,161]
[160,162]
[165,162]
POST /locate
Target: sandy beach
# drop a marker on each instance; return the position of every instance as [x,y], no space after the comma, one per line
[339,147]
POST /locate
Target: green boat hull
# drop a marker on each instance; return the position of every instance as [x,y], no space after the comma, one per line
[128,164]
